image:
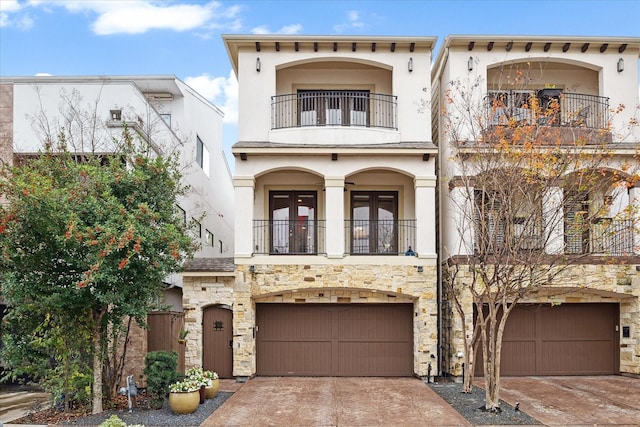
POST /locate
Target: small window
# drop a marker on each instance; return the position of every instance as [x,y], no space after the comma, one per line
[181,214]
[197,228]
[116,115]
[167,119]
[208,236]
[202,156]
[220,244]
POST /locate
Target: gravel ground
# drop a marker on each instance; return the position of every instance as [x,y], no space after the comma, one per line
[159,417]
[471,406]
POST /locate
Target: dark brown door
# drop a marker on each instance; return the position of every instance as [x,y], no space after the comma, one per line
[335,339]
[567,339]
[217,341]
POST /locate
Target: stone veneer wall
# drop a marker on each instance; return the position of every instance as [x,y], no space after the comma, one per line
[198,292]
[338,284]
[621,279]
[295,283]
[6,123]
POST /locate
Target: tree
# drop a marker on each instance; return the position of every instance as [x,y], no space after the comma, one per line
[86,242]
[531,198]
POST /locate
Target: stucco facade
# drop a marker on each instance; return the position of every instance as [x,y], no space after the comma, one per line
[602,71]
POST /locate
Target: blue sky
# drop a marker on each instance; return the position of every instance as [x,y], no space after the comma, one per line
[182,38]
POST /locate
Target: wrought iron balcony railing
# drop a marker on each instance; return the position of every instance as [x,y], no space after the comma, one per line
[334,108]
[288,237]
[380,237]
[604,236]
[552,108]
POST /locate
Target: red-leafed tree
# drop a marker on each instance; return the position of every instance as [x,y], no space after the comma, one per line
[86,242]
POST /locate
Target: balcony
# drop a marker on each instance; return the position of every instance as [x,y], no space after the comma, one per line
[379,237]
[313,108]
[288,237]
[604,236]
[573,115]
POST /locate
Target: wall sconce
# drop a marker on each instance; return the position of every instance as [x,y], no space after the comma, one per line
[470,64]
[410,65]
[252,269]
[420,269]
[620,65]
[258,64]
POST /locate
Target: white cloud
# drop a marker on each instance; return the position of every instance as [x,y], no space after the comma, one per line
[6,8]
[353,22]
[10,6]
[132,16]
[140,17]
[221,91]
[287,29]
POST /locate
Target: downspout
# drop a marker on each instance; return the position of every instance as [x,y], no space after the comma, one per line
[439,219]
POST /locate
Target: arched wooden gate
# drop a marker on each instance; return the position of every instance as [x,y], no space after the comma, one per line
[217,340]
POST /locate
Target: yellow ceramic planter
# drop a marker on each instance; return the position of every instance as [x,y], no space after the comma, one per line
[212,391]
[184,402]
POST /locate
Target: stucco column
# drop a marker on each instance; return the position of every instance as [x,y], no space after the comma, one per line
[634,199]
[425,194]
[459,232]
[553,219]
[244,190]
[334,214]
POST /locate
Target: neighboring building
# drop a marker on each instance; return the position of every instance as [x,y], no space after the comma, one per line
[161,110]
[335,212]
[591,320]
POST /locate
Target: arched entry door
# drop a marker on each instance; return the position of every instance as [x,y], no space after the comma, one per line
[217,340]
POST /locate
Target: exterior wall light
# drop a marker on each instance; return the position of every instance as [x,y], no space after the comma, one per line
[470,64]
[410,65]
[620,65]
[258,64]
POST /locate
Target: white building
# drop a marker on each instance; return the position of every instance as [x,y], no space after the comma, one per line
[588,320]
[161,110]
[335,186]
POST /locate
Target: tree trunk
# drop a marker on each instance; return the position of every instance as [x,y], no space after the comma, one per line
[97,365]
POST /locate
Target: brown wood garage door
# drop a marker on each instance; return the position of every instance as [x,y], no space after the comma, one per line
[334,339]
[567,339]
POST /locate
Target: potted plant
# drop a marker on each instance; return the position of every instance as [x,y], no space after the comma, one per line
[184,396]
[212,391]
[197,376]
[182,336]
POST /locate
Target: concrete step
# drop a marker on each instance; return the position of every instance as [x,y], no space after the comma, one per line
[14,405]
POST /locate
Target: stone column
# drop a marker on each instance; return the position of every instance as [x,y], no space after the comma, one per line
[244,192]
[334,214]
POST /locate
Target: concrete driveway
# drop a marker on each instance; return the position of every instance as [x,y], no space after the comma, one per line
[576,401]
[330,401]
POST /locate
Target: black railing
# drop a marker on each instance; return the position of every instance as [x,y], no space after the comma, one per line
[379,237]
[553,108]
[288,237]
[493,235]
[604,236]
[334,108]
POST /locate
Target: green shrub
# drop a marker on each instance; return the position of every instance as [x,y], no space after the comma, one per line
[114,421]
[161,369]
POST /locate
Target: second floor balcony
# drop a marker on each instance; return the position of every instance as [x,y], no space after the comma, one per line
[312,108]
[307,237]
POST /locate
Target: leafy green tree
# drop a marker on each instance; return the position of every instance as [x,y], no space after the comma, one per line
[85,242]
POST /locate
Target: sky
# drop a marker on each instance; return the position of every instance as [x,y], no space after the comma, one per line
[183,37]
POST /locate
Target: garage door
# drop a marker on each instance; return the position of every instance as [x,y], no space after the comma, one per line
[567,339]
[334,339]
